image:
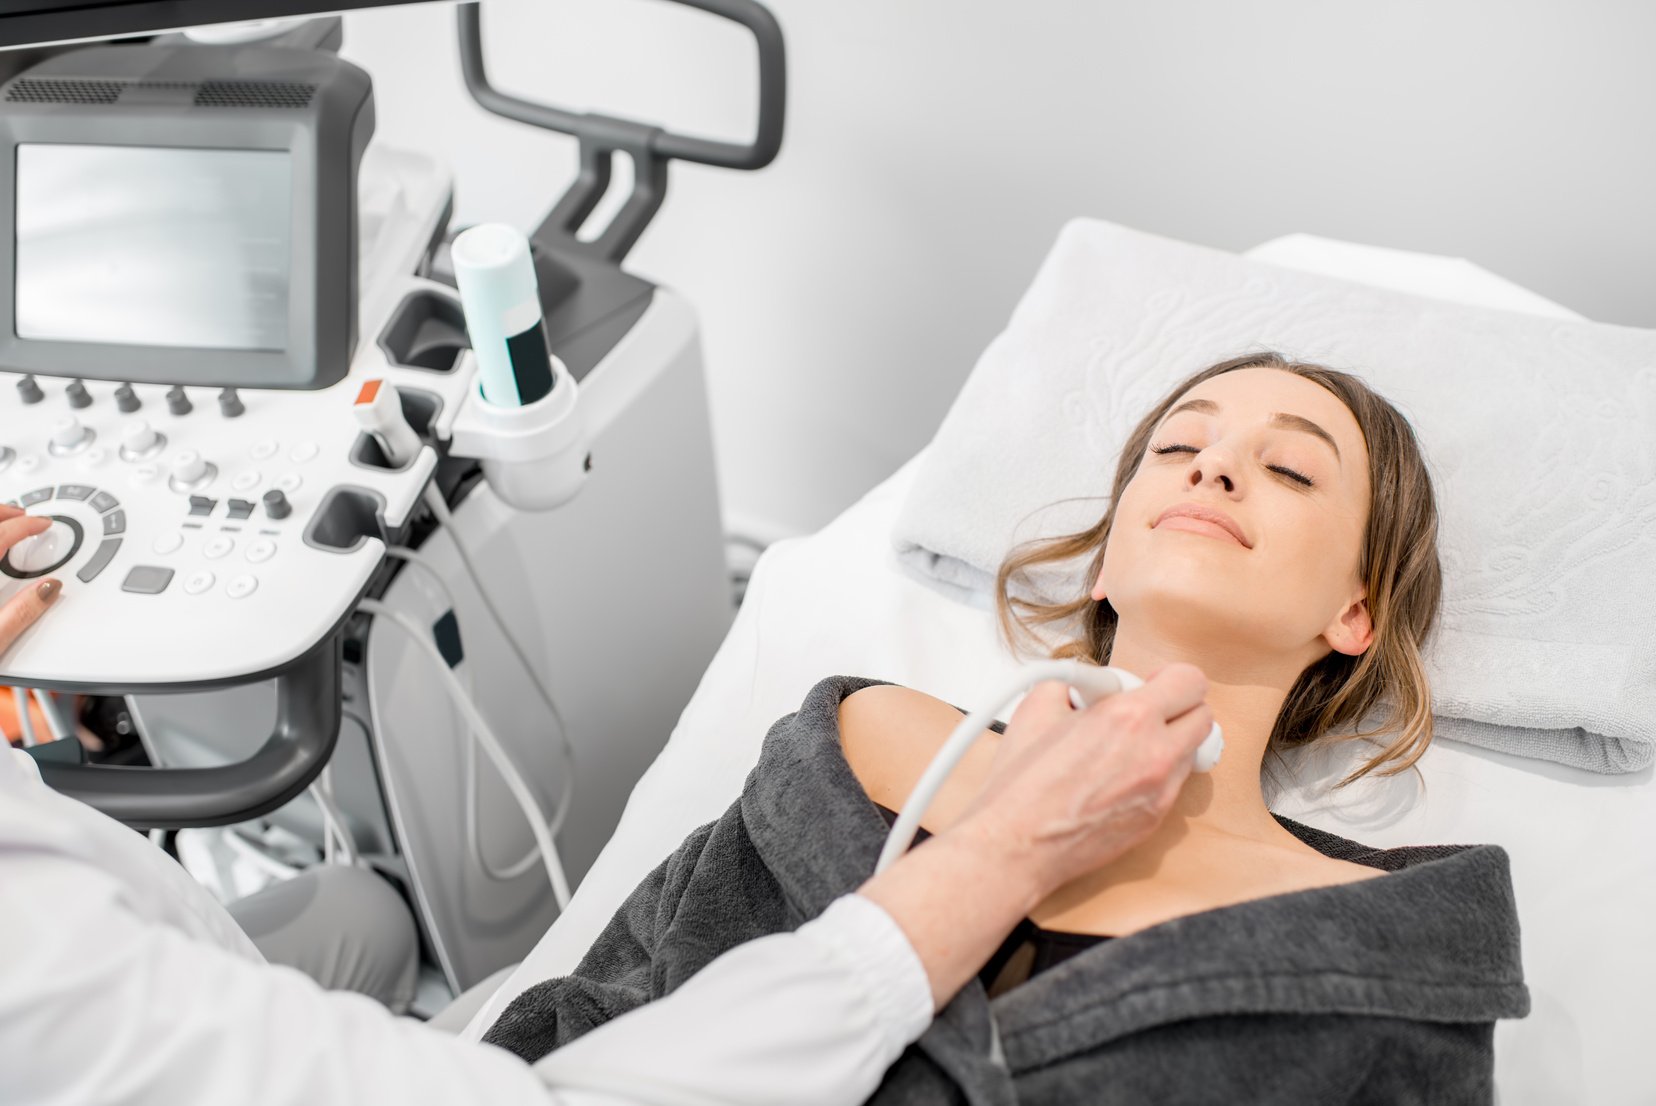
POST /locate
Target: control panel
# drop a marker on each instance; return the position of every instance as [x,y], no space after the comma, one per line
[206,534]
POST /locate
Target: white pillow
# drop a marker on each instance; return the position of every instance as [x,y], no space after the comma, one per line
[1540,435]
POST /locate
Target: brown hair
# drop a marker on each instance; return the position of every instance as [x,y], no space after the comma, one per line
[1398,562]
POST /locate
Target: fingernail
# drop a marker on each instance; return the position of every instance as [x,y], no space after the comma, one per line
[48,589]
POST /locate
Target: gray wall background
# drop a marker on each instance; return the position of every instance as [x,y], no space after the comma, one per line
[934,147]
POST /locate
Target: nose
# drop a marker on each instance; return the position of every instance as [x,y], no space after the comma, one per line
[1213,465]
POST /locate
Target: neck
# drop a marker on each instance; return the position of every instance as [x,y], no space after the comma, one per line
[1246,694]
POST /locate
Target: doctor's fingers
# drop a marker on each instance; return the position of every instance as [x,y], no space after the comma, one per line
[23,609]
[20,526]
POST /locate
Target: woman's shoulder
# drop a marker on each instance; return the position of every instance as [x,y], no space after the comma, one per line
[889,733]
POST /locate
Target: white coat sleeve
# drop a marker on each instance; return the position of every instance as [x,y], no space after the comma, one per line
[123,982]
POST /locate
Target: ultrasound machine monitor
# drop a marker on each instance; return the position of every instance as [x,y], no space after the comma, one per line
[182,215]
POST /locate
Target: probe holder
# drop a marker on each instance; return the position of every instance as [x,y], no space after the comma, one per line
[534,456]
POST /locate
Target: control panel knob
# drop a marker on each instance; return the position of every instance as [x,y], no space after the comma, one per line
[188,467]
[140,437]
[28,389]
[276,504]
[126,400]
[78,395]
[177,402]
[68,433]
[230,404]
[44,550]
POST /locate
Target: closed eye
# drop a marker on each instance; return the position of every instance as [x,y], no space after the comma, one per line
[1281,469]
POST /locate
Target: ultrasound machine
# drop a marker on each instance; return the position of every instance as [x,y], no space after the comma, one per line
[218,280]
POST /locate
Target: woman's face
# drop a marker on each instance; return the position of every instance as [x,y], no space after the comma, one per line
[1238,444]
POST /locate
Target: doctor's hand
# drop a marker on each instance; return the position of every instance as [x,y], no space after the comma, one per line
[1073,790]
[23,609]
[1069,792]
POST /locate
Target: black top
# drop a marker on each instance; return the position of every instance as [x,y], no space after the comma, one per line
[1028,950]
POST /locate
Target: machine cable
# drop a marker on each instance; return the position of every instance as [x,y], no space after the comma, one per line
[491,745]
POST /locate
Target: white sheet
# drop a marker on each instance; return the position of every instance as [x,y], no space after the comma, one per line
[1583,845]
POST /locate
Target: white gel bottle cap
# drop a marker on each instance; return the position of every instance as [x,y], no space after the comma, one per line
[496,275]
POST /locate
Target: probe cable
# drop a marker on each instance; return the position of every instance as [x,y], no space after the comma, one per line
[481,730]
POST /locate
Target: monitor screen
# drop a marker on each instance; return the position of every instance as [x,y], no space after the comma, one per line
[150,246]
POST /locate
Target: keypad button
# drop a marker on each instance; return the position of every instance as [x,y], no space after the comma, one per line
[198,581]
[114,522]
[245,481]
[170,542]
[289,482]
[39,495]
[261,551]
[100,560]
[146,473]
[239,508]
[265,449]
[75,491]
[28,463]
[103,501]
[305,451]
[217,546]
[147,579]
[202,505]
[241,587]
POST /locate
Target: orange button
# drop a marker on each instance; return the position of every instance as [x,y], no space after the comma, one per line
[369,391]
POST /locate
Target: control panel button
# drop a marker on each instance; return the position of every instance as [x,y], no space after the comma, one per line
[146,474]
[217,546]
[263,451]
[289,482]
[100,560]
[141,440]
[7,456]
[241,587]
[114,522]
[103,501]
[92,458]
[68,436]
[261,551]
[126,400]
[28,462]
[147,579]
[198,581]
[305,451]
[75,491]
[245,481]
[170,542]
[28,390]
[78,395]
[177,401]
[277,505]
[202,505]
[39,495]
[239,508]
[191,471]
[230,404]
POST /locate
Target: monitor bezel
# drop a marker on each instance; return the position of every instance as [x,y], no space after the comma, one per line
[322,283]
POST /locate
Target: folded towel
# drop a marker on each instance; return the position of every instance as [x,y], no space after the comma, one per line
[1540,434]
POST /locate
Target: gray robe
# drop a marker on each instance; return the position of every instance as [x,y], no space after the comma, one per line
[1380,991]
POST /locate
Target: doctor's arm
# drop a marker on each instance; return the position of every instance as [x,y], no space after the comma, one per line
[122,982]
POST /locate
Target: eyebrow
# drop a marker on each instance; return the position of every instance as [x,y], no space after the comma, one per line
[1278,418]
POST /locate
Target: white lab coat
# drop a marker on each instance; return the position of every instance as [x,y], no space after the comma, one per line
[123,981]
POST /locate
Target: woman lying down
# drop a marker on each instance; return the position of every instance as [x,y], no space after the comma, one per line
[1274,524]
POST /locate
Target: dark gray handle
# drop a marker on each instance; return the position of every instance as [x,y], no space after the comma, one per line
[307,727]
[773,93]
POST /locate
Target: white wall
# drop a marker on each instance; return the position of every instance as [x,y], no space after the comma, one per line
[935,146]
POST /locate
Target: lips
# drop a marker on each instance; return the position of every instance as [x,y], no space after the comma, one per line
[1204,514]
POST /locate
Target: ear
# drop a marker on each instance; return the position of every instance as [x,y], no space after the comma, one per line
[1352,632]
